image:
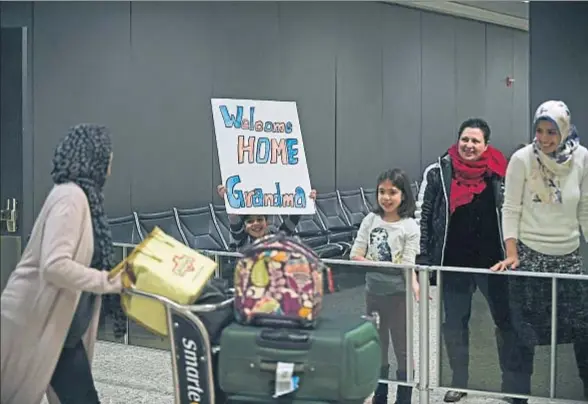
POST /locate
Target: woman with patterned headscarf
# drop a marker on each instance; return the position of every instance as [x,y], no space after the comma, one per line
[545,205]
[51,304]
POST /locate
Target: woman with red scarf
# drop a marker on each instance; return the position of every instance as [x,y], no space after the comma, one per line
[460,227]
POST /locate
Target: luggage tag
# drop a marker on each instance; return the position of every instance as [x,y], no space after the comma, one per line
[286,382]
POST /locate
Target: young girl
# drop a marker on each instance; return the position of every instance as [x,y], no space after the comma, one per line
[390,233]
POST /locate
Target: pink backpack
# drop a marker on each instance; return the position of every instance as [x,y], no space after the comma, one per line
[278,283]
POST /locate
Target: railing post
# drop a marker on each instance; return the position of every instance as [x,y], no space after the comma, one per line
[125,252]
[438,325]
[553,347]
[423,385]
[409,326]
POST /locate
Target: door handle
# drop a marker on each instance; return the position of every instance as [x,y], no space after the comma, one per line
[9,215]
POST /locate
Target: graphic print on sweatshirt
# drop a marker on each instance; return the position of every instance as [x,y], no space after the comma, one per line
[379,247]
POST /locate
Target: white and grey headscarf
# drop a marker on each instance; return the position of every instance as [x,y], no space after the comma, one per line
[545,179]
[83,157]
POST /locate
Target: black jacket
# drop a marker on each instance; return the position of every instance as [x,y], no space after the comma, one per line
[434,210]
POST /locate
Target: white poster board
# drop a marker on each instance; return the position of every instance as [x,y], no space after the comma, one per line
[261,155]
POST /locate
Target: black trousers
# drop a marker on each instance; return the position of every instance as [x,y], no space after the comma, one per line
[72,379]
[457,293]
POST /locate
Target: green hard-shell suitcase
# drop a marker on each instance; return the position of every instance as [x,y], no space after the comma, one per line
[337,362]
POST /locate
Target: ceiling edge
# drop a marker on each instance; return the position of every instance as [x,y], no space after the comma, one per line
[465,11]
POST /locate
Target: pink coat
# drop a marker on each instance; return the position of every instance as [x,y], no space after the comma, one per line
[41,295]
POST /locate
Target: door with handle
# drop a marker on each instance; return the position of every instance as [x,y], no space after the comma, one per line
[12,76]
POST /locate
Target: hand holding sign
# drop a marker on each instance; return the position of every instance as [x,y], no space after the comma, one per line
[262,159]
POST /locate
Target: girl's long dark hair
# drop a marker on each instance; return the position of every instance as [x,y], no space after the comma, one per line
[400,180]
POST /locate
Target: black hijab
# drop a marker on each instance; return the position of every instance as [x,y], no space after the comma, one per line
[83,157]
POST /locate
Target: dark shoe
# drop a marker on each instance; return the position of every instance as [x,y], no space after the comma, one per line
[516,400]
[381,394]
[453,396]
[403,393]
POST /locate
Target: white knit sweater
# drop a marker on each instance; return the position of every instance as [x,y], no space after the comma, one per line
[552,229]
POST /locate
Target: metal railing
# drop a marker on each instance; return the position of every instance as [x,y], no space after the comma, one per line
[423,384]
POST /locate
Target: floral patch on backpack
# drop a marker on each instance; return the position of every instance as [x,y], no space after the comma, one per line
[278,280]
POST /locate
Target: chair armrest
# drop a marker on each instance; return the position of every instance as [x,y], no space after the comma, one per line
[341,228]
[310,233]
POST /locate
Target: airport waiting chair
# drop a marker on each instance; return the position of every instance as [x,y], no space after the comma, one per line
[199,228]
[226,264]
[312,232]
[369,198]
[353,205]
[124,230]
[274,222]
[337,224]
[165,220]
[221,219]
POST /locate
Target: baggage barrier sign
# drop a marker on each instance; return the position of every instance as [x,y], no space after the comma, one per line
[193,362]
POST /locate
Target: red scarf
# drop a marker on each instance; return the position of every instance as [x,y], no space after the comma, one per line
[468,176]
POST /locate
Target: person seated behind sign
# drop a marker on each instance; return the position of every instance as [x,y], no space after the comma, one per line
[247,228]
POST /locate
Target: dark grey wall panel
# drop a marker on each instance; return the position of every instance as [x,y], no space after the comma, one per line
[402,90]
[81,74]
[470,64]
[499,97]
[16,13]
[559,57]
[308,38]
[377,86]
[521,108]
[246,55]
[359,95]
[20,14]
[439,127]
[12,50]
[172,85]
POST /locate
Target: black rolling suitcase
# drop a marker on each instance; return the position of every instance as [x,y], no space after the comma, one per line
[338,362]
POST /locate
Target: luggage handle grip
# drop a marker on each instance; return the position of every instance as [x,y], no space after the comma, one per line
[284,338]
[261,320]
[267,366]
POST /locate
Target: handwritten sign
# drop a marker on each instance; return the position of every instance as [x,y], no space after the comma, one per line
[261,156]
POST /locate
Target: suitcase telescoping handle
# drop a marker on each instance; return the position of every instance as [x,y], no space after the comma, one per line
[284,338]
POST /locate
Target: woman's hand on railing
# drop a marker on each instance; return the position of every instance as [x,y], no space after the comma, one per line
[508,263]
[416,287]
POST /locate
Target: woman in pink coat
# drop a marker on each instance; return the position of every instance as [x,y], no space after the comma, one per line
[51,304]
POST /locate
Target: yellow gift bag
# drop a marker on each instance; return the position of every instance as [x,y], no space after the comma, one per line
[163,266]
